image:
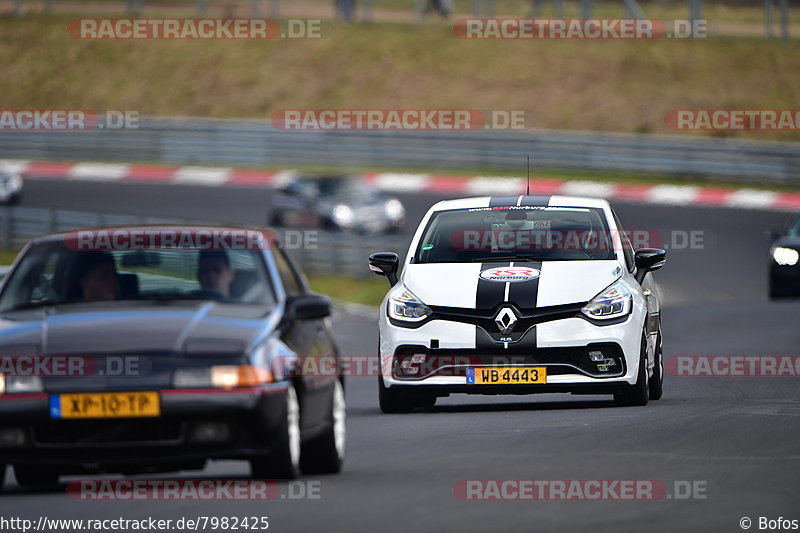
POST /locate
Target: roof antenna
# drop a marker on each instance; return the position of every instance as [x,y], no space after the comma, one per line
[529,176]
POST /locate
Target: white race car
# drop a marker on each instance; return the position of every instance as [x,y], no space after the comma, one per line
[519,295]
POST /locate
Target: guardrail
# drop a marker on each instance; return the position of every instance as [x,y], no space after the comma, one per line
[321,252]
[256,143]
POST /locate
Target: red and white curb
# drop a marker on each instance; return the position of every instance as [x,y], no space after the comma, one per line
[409,183]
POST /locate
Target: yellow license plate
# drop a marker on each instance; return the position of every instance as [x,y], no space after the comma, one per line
[105,405]
[529,375]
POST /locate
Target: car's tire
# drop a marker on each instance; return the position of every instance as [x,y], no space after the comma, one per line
[656,383]
[395,402]
[35,476]
[284,460]
[325,454]
[2,476]
[776,291]
[636,394]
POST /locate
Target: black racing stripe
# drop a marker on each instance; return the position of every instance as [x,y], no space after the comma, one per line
[490,293]
[487,296]
[535,201]
[524,295]
[503,201]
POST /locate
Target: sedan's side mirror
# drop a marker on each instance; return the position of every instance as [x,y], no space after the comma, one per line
[772,235]
[385,264]
[308,307]
[648,260]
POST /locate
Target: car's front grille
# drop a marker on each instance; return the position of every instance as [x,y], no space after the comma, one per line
[568,360]
[88,433]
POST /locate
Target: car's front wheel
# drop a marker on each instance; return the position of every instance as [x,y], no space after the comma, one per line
[656,383]
[283,462]
[394,401]
[638,393]
[2,476]
[35,476]
[325,454]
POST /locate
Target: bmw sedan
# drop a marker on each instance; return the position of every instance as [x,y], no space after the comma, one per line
[155,349]
[784,259]
[519,295]
[338,203]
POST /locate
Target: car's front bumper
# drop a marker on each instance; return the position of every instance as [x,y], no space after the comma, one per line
[562,346]
[194,425]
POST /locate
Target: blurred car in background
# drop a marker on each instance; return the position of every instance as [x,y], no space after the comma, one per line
[10,186]
[216,338]
[784,259]
[341,203]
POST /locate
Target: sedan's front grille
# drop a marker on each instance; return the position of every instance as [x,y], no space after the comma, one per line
[88,433]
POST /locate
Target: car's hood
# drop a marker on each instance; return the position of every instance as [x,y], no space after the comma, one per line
[134,328]
[461,284]
[788,242]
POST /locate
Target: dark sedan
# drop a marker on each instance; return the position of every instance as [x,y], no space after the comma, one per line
[339,203]
[156,349]
[784,259]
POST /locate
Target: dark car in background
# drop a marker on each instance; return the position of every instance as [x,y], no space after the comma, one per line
[341,203]
[169,356]
[784,259]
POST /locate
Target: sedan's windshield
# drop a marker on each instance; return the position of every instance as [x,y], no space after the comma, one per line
[50,273]
[522,233]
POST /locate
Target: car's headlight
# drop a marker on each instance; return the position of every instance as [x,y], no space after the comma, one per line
[785,256]
[2,384]
[222,376]
[403,305]
[614,302]
[394,209]
[22,384]
[344,215]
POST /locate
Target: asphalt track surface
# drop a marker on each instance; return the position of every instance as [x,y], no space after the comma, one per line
[738,437]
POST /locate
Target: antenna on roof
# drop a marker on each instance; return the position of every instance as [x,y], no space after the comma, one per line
[529,176]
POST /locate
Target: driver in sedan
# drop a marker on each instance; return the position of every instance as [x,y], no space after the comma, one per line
[214,272]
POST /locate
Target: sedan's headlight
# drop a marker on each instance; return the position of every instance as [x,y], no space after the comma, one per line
[222,376]
[2,384]
[394,209]
[22,384]
[614,302]
[785,256]
[344,215]
[403,305]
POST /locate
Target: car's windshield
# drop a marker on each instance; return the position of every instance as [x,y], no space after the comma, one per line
[339,188]
[793,229]
[508,233]
[51,273]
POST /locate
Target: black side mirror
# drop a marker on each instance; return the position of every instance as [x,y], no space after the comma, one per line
[649,259]
[308,307]
[385,264]
[772,235]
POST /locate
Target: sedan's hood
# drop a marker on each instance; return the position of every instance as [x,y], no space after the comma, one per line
[788,242]
[461,284]
[134,328]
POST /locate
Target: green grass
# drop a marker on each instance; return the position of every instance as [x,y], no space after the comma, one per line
[361,291]
[622,86]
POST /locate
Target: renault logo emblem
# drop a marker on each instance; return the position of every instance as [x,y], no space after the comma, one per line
[505,320]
